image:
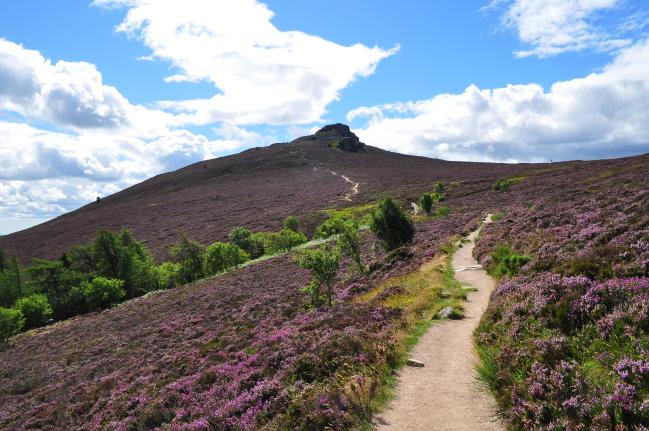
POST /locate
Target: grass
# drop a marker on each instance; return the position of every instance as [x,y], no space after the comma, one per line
[421,294]
[356,211]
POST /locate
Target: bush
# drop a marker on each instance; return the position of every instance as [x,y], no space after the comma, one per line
[221,256]
[391,224]
[11,323]
[443,211]
[244,239]
[426,202]
[277,242]
[168,275]
[439,187]
[291,223]
[330,227]
[507,263]
[504,184]
[35,309]
[323,263]
[190,254]
[103,292]
[350,245]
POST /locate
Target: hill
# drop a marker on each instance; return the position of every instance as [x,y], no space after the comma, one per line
[563,343]
[256,189]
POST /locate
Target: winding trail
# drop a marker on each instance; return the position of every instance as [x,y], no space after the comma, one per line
[353,191]
[444,394]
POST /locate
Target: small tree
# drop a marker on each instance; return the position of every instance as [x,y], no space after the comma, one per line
[35,309]
[243,238]
[323,264]
[350,245]
[439,187]
[103,292]
[391,224]
[11,322]
[3,261]
[190,255]
[426,202]
[332,226]
[222,256]
[291,223]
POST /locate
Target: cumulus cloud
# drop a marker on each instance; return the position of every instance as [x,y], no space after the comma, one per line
[551,27]
[70,95]
[262,74]
[604,114]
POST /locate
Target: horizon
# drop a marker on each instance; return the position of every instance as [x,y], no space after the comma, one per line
[98,96]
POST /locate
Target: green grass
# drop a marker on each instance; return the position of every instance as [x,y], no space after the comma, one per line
[356,211]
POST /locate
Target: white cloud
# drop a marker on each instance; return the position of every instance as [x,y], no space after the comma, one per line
[601,115]
[71,95]
[551,27]
[262,74]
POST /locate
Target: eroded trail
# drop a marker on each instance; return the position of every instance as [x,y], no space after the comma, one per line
[353,191]
[444,394]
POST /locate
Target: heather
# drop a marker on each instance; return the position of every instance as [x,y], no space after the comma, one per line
[564,344]
[243,350]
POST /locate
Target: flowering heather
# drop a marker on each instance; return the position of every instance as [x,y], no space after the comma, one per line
[236,352]
[565,345]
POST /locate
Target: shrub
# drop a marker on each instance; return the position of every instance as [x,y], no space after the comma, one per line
[277,242]
[443,211]
[103,292]
[391,224]
[330,227]
[221,256]
[291,223]
[190,254]
[507,262]
[243,238]
[35,309]
[323,263]
[168,275]
[11,322]
[426,202]
[439,187]
[503,185]
[350,245]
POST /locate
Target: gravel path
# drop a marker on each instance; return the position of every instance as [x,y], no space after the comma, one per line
[444,394]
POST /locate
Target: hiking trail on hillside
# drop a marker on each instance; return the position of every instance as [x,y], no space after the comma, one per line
[445,394]
[353,191]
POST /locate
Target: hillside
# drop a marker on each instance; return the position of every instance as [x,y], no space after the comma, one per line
[256,189]
[243,350]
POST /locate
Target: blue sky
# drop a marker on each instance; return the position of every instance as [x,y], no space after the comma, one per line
[95,97]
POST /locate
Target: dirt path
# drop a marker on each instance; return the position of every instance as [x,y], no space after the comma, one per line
[444,394]
[353,191]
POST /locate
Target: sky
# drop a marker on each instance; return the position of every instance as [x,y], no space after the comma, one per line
[96,96]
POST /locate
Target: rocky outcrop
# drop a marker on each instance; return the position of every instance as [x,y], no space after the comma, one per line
[337,136]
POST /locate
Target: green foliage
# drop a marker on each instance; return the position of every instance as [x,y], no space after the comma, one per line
[323,263]
[3,261]
[278,242]
[35,309]
[391,224]
[503,185]
[190,255]
[350,245]
[439,187]
[59,282]
[243,238]
[11,323]
[443,211]
[497,216]
[222,256]
[330,227]
[426,202]
[507,263]
[103,292]
[291,223]
[167,275]
[11,282]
